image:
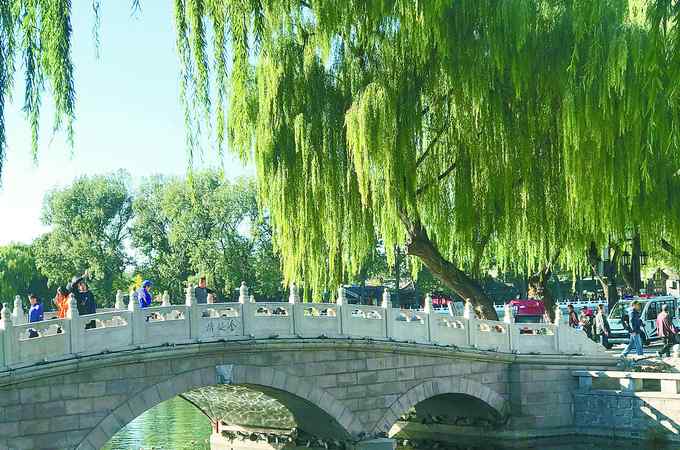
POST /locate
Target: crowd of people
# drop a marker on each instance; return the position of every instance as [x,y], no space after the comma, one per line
[597,327]
[594,325]
[87,305]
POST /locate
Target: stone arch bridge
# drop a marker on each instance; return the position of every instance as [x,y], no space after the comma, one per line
[344,371]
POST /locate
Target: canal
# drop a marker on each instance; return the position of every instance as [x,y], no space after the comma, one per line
[178,425]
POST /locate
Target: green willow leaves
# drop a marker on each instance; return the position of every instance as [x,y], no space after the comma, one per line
[540,124]
[526,125]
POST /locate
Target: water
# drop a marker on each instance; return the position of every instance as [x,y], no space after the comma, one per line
[178,425]
[172,425]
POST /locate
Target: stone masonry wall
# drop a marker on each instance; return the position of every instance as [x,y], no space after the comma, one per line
[620,414]
[363,386]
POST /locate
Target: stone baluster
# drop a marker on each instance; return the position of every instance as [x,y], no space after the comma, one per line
[427,308]
[137,320]
[252,299]
[120,304]
[558,316]
[193,311]
[76,328]
[507,313]
[165,299]
[243,293]
[190,298]
[72,313]
[387,306]
[386,299]
[7,344]
[133,305]
[294,296]
[341,296]
[18,315]
[468,312]
[5,317]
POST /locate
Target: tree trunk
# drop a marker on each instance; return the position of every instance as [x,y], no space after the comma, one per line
[607,278]
[538,283]
[635,264]
[420,245]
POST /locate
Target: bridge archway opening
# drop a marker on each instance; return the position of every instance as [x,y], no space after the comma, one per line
[458,401]
[453,409]
[263,407]
[314,410]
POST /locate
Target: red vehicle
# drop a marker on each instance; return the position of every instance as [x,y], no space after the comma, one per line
[527,311]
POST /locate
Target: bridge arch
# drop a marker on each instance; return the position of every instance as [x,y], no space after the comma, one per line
[435,388]
[307,402]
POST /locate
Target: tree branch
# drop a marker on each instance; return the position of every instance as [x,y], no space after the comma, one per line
[439,134]
[668,247]
[440,177]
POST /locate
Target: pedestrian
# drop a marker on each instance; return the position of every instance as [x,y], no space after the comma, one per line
[573,319]
[35,314]
[586,323]
[143,295]
[665,330]
[60,301]
[201,291]
[602,328]
[635,341]
[84,298]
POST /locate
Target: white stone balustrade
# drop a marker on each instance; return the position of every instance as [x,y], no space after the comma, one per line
[130,327]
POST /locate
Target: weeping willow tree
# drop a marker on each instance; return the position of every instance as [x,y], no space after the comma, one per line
[464,131]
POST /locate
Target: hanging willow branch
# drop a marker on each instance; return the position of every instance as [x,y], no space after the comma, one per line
[563,118]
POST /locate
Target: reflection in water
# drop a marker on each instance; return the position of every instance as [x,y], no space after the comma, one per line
[178,425]
[172,425]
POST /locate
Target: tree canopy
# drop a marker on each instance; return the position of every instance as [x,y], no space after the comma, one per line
[90,226]
[460,130]
[208,226]
[19,274]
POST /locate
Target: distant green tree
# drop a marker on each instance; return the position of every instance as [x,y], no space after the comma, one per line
[160,256]
[204,225]
[266,263]
[89,221]
[19,274]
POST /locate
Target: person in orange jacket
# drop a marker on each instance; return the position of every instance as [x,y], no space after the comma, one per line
[61,302]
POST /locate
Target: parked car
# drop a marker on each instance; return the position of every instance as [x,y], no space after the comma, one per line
[651,307]
[524,310]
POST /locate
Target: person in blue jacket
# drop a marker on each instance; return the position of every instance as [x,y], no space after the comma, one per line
[143,294]
[635,341]
[35,314]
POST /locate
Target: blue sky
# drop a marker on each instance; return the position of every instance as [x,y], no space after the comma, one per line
[128,115]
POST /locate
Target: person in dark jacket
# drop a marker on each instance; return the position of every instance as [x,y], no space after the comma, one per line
[84,298]
[602,328]
[202,291]
[635,341]
[586,323]
[573,318]
[665,330]
[143,295]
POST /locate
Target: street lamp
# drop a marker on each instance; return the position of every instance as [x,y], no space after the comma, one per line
[625,258]
[643,259]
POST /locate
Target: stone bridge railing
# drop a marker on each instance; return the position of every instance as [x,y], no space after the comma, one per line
[128,328]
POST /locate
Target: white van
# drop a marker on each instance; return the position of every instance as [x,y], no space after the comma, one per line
[651,307]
